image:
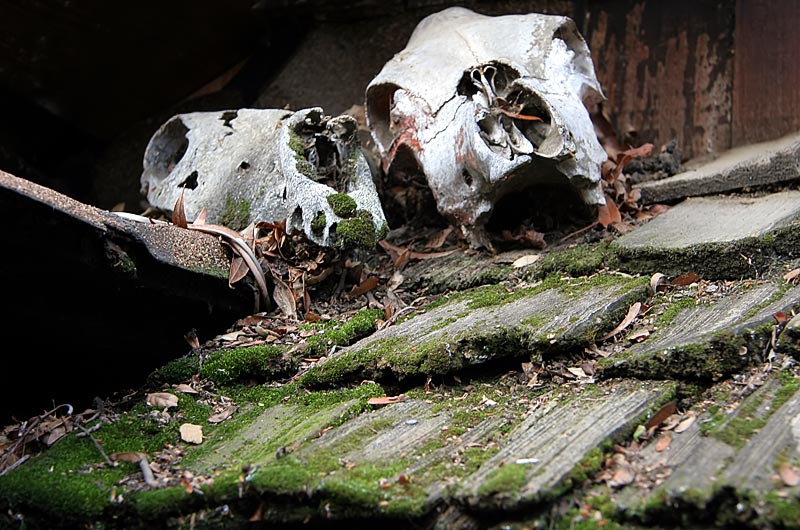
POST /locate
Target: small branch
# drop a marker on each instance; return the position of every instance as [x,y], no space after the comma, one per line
[96,444]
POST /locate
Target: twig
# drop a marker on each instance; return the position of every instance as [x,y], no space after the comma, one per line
[96,444]
[397,315]
[577,232]
[149,479]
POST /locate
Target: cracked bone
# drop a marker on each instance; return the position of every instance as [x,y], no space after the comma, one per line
[486,106]
[252,165]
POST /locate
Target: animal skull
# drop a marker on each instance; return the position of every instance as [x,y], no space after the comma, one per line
[486,106]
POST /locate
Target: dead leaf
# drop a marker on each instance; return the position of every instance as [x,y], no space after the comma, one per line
[310,316]
[622,476]
[638,335]
[431,255]
[178,214]
[663,413]
[386,400]
[438,240]
[238,270]
[685,279]
[577,372]
[791,275]
[365,286]
[780,317]
[686,422]
[201,217]
[191,339]
[130,457]
[224,414]
[658,282]
[162,400]
[191,433]
[633,312]
[186,389]
[608,213]
[789,474]
[524,261]
[284,298]
[663,442]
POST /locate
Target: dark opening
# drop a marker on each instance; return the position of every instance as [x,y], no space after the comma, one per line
[191,181]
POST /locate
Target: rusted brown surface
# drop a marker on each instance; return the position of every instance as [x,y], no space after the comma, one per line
[766,98]
[667,70]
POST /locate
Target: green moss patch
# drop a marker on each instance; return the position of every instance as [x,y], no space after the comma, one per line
[343,205]
[357,232]
[236,214]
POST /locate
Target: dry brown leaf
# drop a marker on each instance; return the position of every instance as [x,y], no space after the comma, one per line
[622,476]
[608,213]
[686,422]
[310,316]
[364,287]
[638,335]
[284,298]
[577,372]
[633,312]
[524,261]
[191,339]
[130,457]
[178,214]
[201,217]
[780,317]
[789,474]
[663,413]
[791,275]
[186,389]
[224,414]
[658,282]
[237,271]
[431,255]
[663,442]
[191,433]
[438,240]
[162,400]
[685,279]
[387,400]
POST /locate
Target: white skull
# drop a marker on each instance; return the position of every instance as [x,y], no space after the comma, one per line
[487,105]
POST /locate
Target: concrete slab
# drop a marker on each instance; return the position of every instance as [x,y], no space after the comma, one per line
[748,166]
[716,237]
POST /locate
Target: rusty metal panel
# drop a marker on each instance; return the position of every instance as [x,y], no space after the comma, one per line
[766,93]
[667,70]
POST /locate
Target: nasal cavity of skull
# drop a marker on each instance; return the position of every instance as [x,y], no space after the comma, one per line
[167,148]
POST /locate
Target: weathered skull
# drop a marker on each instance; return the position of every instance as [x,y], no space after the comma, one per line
[486,106]
[253,165]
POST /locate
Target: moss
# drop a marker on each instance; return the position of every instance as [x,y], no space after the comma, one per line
[242,364]
[780,512]
[718,261]
[582,260]
[357,232]
[672,310]
[177,371]
[236,214]
[504,480]
[318,223]
[360,325]
[751,416]
[383,231]
[343,205]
